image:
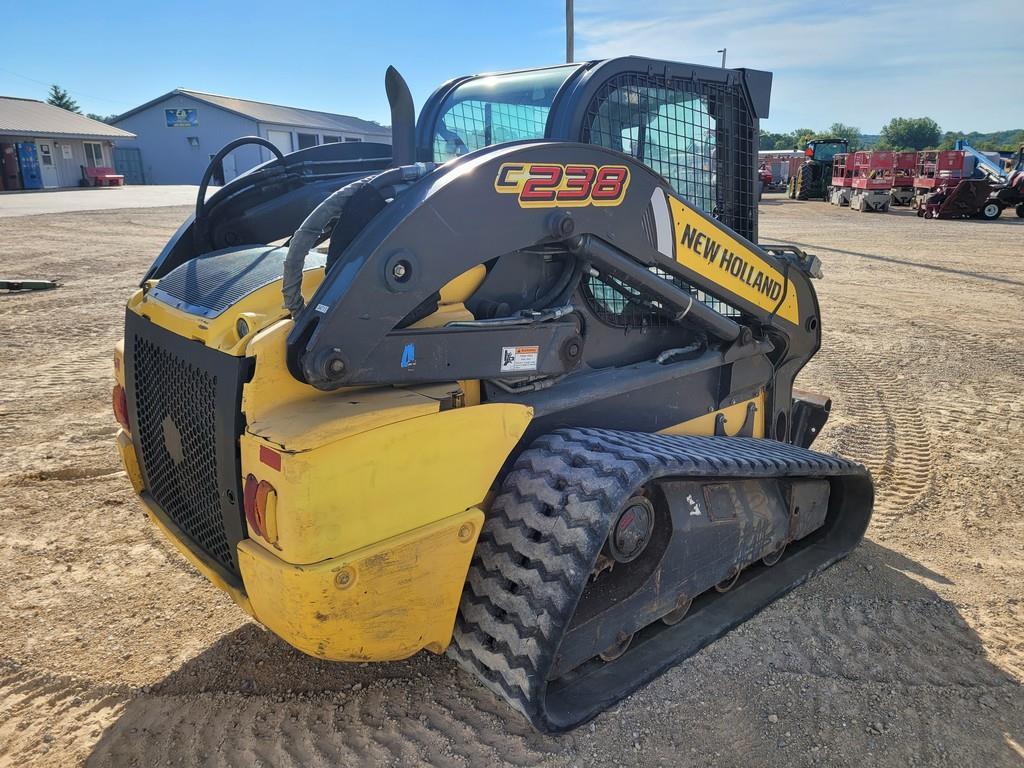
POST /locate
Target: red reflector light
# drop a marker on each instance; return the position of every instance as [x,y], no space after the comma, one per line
[120,402]
[809,152]
[258,497]
[270,457]
[249,503]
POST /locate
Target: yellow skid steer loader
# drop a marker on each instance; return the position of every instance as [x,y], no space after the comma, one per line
[519,387]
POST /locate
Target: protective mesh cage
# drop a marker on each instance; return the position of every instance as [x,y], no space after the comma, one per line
[176,404]
[700,135]
[622,305]
[472,125]
[721,307]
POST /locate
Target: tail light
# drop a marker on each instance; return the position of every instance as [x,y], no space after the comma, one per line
[259,499]
[809,152]
[120,403]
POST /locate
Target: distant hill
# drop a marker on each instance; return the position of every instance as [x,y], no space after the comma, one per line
[1008,140]
[997,140]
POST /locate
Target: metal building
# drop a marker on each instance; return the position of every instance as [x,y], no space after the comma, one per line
[43,146]
[179,132]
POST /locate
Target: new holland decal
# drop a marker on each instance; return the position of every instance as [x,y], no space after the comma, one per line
[550,185]
[721,258]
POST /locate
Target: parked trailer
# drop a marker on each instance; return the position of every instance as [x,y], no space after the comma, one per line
[778,162]
[903,172]
[840,189]
[871,185]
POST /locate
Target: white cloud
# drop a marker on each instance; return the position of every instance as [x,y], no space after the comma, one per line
[858,63]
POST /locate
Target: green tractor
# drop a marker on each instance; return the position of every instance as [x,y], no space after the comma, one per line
[811,181]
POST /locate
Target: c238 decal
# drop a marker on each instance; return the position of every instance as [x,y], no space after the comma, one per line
[551,185]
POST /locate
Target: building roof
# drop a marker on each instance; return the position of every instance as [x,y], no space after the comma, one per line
[276,114]
[30,117]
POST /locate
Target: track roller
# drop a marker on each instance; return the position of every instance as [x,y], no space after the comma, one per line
[601,542]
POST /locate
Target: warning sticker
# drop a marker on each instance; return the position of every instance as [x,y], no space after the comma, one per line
[519,359]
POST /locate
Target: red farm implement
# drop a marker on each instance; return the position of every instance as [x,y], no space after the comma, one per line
[871,184]
[903,172]
[937,170]
[842,178]
[946,188]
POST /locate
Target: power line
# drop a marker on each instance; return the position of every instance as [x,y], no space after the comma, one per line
[72,92]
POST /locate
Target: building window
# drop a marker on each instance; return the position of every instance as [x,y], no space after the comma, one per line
[307,140]
[331,139]
[93,154]
[348,139]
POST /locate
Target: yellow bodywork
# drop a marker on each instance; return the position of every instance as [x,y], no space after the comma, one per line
[383,602]
[377,491]
[734,415]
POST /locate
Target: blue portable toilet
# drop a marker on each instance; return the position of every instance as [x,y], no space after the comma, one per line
[28,162]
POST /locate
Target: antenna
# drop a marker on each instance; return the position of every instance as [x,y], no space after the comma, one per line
[569,32]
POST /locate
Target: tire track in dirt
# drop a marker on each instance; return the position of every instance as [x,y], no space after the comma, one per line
[884,429]
[52,719]
[909,642]
[61,720]
[382,725]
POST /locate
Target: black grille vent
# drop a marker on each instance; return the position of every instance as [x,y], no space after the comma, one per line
[176,405]
[185,412]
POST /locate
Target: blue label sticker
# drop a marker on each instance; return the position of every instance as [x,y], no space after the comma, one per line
[409,356]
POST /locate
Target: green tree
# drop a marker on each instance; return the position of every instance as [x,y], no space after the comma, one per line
[849,132]
[61,98]
[102,118]
[911,133]
[785,142]
[771,140]
[801,136]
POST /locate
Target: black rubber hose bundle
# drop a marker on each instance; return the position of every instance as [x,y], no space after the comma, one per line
[332,207]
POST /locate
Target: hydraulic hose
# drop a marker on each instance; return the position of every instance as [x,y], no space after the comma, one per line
[332,207]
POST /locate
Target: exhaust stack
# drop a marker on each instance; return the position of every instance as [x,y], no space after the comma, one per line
[403,119]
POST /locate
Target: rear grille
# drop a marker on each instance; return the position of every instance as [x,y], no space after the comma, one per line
[185,404]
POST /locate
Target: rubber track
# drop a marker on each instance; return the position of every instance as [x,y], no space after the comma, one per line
[546,527]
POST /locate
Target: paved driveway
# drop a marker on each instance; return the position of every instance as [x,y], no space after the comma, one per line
[96,199]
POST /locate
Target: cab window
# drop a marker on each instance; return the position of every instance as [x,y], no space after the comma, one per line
[495,109]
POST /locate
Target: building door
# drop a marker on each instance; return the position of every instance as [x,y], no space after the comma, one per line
[48,164]
[128,162]
[28,162]
[9,167]
[230,169]
[281,139]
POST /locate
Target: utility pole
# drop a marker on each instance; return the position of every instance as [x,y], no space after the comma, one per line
[722,51]
[568,32]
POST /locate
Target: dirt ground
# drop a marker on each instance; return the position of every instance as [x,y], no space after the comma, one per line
[908,653]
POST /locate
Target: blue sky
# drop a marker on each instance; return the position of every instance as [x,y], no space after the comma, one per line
[900,58]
